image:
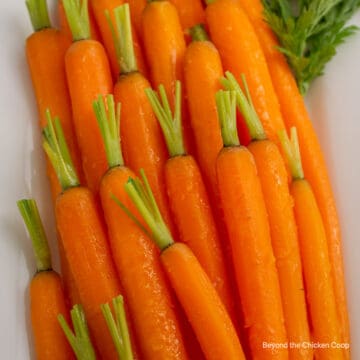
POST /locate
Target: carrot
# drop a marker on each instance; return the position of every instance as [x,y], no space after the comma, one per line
[165,47]
[295,114]
[136,257]
[190,206]
[248,227]
[88,75]
[45,51]
[319,284]
[273,176]
[192,286]
[191,12]
[77,217]
[241,53]
[139,128]
[99,8]
[46,294]
[136,9]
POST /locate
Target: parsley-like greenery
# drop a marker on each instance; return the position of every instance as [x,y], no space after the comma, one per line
[309,32]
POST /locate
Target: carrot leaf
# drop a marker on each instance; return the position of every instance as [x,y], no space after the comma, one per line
[78,18]
[30,214]
[226,107]
[170,123]
[79,339]
[198,33]
[245,105]
[122,37]
[55,146]
[109,124]
[39,14]
[118,327]
[292,151]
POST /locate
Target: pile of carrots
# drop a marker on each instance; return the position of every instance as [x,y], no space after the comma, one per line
[189,224]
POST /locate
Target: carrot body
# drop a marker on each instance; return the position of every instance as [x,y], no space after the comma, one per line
[241,53]
[165,47]
[191,12]
[191,209]
[201,304]
[295,114]
[99,7]
[46,302]
[257,278]
[88,75]
[273,176]
[141,139]
[317,271]
[137,261]
[87,250]
[136,9]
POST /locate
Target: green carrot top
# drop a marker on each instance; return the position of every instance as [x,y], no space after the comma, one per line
[39,14]
[55,146]
[30,214]
[245,105]
[123,41]
[226,107]
[292,151]
[78,18]
[198,33]
[109,123]
[170,123]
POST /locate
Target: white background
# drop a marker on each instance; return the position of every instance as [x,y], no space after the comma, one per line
[334,102]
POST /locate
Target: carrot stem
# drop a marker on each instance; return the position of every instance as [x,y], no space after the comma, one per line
[109,124]
[226,107]
[30,214]
[292,151]
[79,339]
[143,198]
[55,146]
[39,14]
[245,105]
[78,18]
[118,327]
[123,40]
[198,33]
[170,123]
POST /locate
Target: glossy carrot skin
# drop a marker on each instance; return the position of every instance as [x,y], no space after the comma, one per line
[45,52]
[88,74]
[241,53]
[87,250]
[47,300]
[136,9]
[194,219]
[142,142]
[191,12]
[317,271]
[295,115]
[257,278]
[273,176]
[137,261]
[201,303]
[98,8]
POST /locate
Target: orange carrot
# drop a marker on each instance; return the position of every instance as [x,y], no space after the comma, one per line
[190,206]
[99,8]
[165,47]
[136,9]
[241,53]
[273,176]
[191,12]
[47,298]
[248,227]
[295,114]
[136,257]
[192,286]
[88,74]
[77,217]
[319,285]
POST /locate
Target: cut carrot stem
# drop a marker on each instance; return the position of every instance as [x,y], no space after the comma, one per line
[78,17]
[79,339]
[198,33]
[246,218]
[46,294]
[39,15]
[196,294]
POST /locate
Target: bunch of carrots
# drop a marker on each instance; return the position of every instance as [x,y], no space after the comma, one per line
[190,225]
